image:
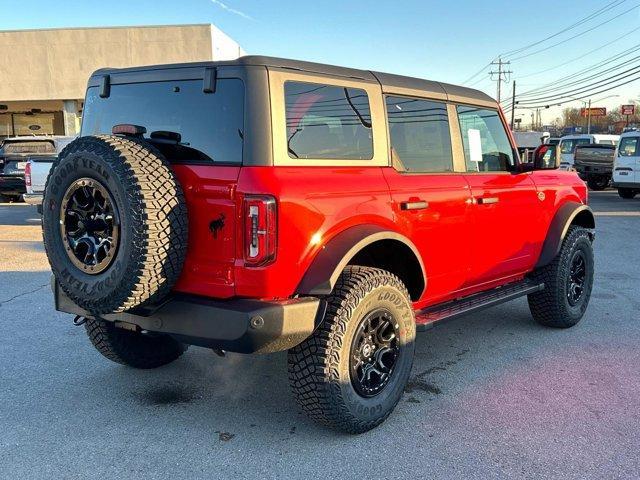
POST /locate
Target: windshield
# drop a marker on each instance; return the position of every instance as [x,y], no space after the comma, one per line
[629,147]
[569,145]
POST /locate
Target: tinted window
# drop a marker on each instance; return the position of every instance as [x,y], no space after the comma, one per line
[486,144]
[420,137]
[327,122]
[569,145]
[629,147]
[9,147]
[210,124]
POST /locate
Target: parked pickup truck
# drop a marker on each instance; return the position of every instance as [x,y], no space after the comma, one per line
[594,164]
[37,169]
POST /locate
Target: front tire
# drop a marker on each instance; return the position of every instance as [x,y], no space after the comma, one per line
[351,373]
[568,281]
[132,348]
[627,193]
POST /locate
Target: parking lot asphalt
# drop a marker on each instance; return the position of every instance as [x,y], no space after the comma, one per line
[492,395]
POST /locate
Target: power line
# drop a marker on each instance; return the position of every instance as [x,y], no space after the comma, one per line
[540,72]
[561,85]
[585,94]
[579,90]
[575,36]
[589,68]
[476,74]
[570,27]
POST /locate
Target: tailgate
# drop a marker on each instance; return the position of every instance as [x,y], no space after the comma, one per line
[40,167]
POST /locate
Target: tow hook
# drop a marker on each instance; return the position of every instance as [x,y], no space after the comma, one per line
[79,320]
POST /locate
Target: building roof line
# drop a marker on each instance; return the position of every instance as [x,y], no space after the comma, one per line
[112,27]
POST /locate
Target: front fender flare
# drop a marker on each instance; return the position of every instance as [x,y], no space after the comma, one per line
[326,267]
[568,214]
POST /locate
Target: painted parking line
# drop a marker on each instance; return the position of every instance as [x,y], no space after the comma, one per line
[617,214]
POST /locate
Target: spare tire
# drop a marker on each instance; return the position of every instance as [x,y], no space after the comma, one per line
[114,223]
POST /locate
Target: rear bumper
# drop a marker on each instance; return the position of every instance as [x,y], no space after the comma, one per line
[243,326]
[12,184]
[32,198]
[585,170]
[634,185]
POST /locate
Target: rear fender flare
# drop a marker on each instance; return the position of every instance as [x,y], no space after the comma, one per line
[571,213]
[326,267]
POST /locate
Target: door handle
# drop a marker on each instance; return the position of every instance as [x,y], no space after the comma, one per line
[487,200]
[415,205]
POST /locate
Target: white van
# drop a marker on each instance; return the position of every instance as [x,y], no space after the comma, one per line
[626,166]
[568,145]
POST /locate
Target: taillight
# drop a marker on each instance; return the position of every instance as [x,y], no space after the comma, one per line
[27,174]
[260,230]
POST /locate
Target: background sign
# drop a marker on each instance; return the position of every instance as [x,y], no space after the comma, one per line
[628,109]
[595,112]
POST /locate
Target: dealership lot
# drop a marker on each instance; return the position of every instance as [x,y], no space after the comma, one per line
[492,394]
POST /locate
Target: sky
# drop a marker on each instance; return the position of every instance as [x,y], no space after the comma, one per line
[448,41]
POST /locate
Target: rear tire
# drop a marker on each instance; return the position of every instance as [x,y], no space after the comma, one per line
[339,374]
[627,193]
[566,293]
[132,348]
[598,183]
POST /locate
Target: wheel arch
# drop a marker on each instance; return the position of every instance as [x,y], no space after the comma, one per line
[571,213]
[369,246]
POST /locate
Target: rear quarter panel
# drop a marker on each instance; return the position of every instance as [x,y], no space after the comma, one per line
[314,204]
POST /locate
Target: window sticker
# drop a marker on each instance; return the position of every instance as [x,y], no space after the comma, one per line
[475,145]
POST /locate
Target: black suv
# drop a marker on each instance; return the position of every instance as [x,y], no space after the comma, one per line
[14,153]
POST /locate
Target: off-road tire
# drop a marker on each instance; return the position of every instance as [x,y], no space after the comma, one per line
[319,372]
[551,307]
[152,215]
[627,193]
[598,183]
[132,348]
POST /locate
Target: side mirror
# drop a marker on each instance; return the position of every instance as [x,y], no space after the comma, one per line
[546,157]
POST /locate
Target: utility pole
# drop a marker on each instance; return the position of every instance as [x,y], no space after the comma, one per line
[589,118]
[513,105]
[501,75]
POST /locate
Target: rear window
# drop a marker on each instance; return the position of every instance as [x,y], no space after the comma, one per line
[327,122]
[9,147]
[210,125]
[569,145]
[629,147]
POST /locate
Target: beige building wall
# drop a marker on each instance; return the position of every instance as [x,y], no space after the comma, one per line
[45,72]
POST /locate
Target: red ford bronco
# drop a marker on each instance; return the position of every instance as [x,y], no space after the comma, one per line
[262,204]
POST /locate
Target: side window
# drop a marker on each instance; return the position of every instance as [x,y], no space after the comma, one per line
[420,136]
[629,147]
[327,122]
[486,144]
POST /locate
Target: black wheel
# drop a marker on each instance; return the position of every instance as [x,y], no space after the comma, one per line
[568,282]
[114,223]
[351,372]
[5,198]
[598,182]
[627,193]
[132,348]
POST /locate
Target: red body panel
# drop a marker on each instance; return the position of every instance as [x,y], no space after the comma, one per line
[211,200]
[465,246]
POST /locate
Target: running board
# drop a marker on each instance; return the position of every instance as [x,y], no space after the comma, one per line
[429,316]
